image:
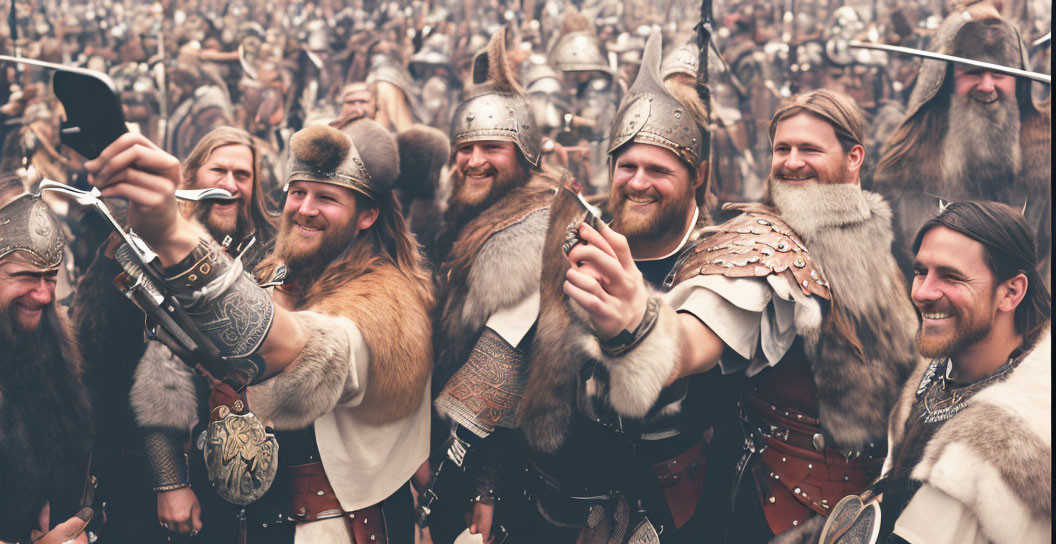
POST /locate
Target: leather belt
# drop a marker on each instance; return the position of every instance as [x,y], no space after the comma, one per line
[314,499]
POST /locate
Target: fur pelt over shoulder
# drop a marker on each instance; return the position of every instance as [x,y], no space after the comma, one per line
[394,321]
[856,392]
[564,341]
[492,264]
[995,457]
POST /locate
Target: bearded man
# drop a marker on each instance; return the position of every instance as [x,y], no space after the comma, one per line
[970,133]
[970,433]
[824,353]
[347,352]
[109,333]
[488,252]
[593,473]
[45,417]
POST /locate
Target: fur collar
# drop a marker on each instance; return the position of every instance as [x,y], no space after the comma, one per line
[995,456]
[856,393]
[394,321]
[505,241]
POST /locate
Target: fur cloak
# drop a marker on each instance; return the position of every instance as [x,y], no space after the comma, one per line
[493,263]
[994,457]
[385,309]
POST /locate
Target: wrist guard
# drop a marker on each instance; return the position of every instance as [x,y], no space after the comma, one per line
[226,304]
[168,463]
[626,341]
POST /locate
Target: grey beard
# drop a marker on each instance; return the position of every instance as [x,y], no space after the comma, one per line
[811,207]
[981,152]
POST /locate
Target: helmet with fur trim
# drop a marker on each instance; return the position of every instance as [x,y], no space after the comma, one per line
[363,157]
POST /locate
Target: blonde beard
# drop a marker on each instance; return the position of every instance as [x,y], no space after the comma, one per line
[810,207]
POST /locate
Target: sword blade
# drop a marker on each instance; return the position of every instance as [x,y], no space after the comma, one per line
[950,58]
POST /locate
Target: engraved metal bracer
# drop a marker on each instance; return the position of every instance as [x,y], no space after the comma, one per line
[225,304]
[484,393]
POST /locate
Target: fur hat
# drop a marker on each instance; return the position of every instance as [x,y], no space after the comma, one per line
[990,39]
[423,152]
[364,157]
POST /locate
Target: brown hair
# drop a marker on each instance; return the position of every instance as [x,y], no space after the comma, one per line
[1008,249]
[835,108]
[260,206]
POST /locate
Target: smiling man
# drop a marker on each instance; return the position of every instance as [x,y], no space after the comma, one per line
[802,296]
[970,133]
[45,417]
[227,158]
[971,436]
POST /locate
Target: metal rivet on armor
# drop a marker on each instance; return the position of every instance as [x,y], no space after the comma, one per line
[352,515]
[364,521]
[777,477]
[799,416]
[678,114]
[302,512]
[264,525]
[796,491]
[772,500]
[763,222]
[799,262]
[781,246]
[192,277]
[772,407]
[810,465]
[237,405]
[806,284]
[371,537]
[795,522]
[320,493]
[470,117]
[846,478]
[786,414]
[784,459]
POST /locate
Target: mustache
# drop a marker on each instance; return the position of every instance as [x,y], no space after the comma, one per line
[486,170]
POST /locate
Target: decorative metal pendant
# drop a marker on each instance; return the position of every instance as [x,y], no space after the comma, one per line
[241,457]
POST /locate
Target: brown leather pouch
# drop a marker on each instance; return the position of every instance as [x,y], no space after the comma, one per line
[682,478]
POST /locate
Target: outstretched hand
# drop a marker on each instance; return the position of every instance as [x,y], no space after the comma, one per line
[604,280]
[135,169]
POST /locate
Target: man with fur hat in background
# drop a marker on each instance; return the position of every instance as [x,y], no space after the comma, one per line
[343,355]
[825,338]
[109,330]
[970,133]
[488,254]
[592,473]
[45,416]
[971,447]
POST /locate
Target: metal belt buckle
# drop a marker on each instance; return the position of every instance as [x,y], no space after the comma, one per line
[780,433]
[457,450]
[241,456]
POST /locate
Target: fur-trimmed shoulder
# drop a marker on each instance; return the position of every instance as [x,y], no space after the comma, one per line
[395,324]
[995,456]
[512,254]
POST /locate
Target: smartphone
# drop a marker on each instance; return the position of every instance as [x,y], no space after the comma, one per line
[94,118]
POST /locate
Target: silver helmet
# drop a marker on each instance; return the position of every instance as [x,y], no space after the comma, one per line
[579,51]
[30,228]
[650,114]
[495,107]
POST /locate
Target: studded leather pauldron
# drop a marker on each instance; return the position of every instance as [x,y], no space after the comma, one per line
[756,243]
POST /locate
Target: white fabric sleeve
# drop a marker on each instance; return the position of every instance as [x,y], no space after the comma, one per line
[513,322]
[746,313]
[933,517]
